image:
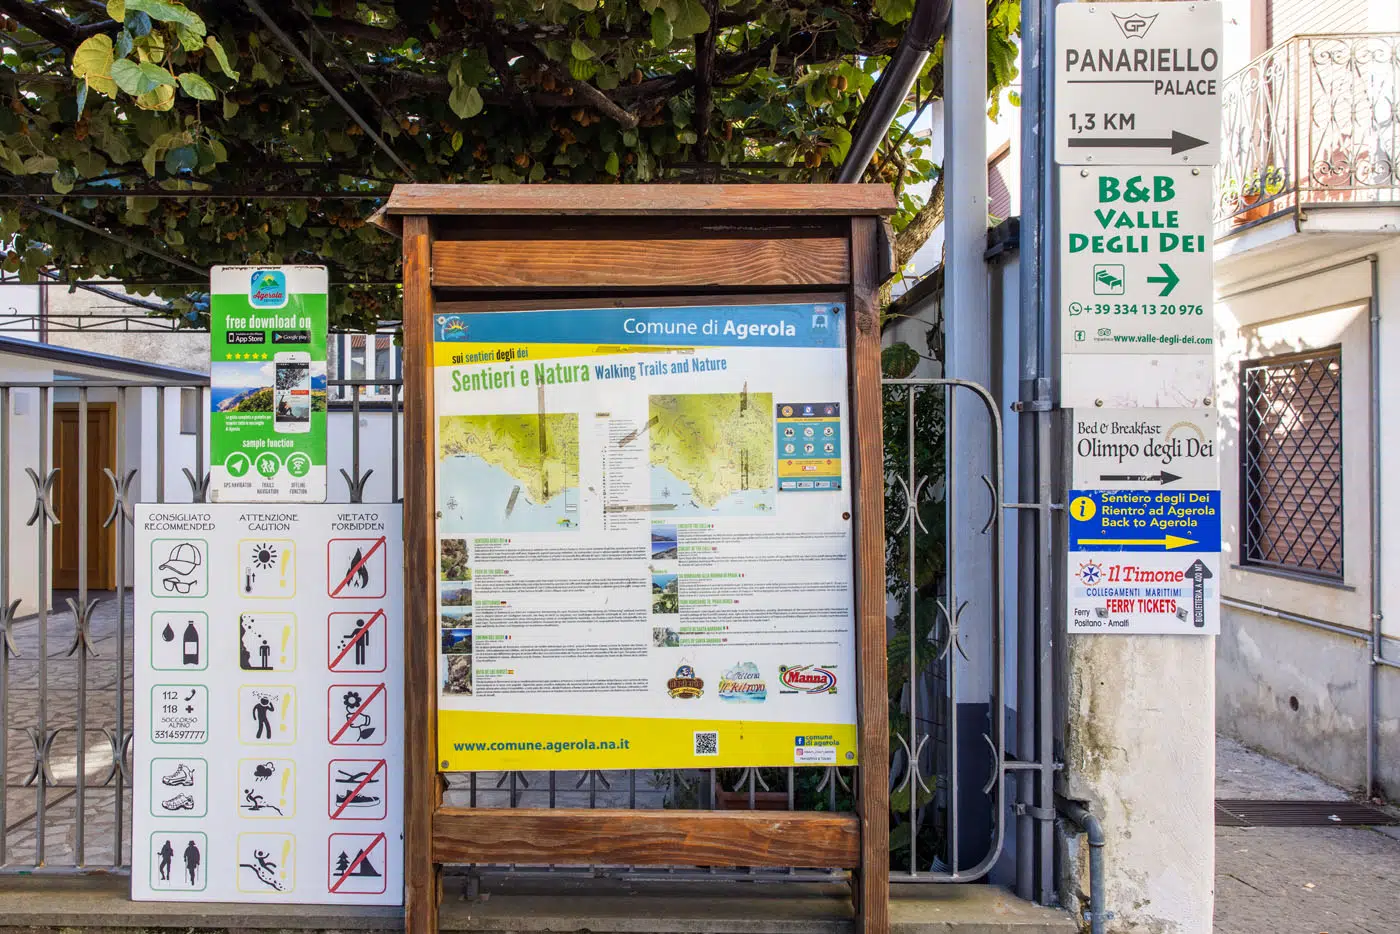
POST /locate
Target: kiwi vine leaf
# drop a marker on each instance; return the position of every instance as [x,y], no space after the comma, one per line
[189,130]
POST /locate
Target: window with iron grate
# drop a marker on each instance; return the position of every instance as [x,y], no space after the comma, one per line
[1291,463]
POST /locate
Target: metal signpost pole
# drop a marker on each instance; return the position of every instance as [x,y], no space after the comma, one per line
[1136,128]
[1034,788]
[970,599]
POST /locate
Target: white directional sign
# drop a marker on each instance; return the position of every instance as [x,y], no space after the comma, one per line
[1137,83]
[1145,449]
[1135,261]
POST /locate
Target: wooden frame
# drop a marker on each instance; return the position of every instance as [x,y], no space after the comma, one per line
[500,247]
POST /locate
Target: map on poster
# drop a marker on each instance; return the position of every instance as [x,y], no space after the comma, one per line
[268,704]
[644,538]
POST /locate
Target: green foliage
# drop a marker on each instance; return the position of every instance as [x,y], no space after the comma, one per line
[914,565]
[157,95]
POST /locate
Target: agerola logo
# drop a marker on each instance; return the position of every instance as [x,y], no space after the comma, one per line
[807,679]
[268,289]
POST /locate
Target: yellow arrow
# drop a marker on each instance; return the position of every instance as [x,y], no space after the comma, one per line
[1169,542]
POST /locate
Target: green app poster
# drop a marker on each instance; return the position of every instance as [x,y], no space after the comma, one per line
[268,384]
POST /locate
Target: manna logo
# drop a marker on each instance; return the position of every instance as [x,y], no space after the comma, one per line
[267,288]
[807,679]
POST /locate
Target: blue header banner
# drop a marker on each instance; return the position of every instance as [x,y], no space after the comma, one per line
[799,325]
[1144,520]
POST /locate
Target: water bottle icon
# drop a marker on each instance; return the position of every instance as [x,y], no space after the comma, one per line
[191,644]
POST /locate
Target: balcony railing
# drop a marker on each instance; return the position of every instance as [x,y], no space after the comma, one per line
[1313,121]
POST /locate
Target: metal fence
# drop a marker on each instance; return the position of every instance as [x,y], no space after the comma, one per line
[65,674]
[1314,121]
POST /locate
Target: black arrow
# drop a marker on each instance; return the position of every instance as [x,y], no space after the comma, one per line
[1199,574]
[1164,477]
[1177,142]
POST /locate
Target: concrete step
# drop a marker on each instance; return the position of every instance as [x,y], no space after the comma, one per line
[99,904]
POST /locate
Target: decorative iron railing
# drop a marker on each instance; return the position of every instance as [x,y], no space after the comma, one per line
[1314,121]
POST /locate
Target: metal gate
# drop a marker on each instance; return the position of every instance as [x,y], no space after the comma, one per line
[65,672]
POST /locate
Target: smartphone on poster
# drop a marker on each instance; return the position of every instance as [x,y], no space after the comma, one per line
[291,392]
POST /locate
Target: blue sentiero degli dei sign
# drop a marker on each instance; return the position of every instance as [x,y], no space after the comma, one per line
[1144,520]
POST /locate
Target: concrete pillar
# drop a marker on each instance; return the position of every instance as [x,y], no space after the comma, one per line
[1140,750]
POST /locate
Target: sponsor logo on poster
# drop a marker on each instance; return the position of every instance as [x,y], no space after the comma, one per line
[685,685]
[743,684]
[807,679]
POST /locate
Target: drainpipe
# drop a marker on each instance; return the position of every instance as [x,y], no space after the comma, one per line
[1374,433]
[1080,815]
[926,26]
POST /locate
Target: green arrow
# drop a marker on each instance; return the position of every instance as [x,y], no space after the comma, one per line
[1169,280]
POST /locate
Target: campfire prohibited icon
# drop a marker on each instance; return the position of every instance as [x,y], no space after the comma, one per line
[356,567]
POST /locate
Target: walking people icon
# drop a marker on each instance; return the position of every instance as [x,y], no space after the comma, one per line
[166,854]
[192,862]
[179,868]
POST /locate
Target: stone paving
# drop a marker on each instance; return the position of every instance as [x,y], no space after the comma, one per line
[1299,880]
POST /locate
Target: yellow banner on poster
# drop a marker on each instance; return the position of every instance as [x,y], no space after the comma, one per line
[481,740]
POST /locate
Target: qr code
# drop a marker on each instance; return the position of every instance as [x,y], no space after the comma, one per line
[706,744]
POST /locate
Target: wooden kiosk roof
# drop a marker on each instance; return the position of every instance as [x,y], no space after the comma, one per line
[634,201]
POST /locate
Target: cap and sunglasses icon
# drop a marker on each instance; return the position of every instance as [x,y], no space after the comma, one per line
[182,562]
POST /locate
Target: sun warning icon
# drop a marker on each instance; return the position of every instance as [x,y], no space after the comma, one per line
[1090,573]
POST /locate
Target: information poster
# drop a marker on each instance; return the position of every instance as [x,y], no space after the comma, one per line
[644,521]
[267,384]
[268,761]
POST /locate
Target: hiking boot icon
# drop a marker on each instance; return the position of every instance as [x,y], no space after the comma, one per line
[180,802]
[183,776]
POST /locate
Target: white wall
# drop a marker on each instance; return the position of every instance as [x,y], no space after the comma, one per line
[184,350]
[375,454]
[23,451]
[19,306]
[1296,692]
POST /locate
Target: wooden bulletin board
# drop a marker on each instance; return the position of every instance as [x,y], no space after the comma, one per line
[473,248]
